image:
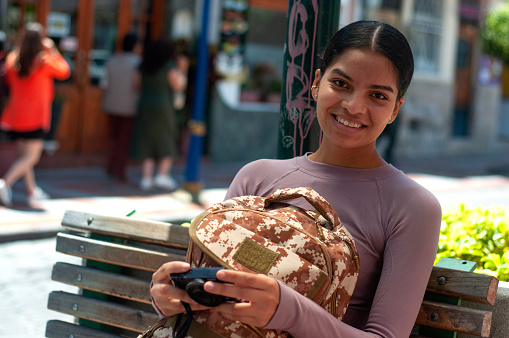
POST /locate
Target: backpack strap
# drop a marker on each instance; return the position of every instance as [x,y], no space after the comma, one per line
[318,202]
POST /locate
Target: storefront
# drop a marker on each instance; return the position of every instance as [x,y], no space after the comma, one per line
[86,32]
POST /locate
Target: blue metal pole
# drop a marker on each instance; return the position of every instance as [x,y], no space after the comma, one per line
[197,123]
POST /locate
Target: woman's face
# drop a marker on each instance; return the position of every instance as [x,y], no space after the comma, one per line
[357,96]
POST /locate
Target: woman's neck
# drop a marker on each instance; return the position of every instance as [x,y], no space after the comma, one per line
[348,158]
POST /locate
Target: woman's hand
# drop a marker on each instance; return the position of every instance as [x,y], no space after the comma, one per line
[167,297]
[259,293]
[48,44]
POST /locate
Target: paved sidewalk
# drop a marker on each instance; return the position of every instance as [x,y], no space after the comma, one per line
[475,179]
[90,189]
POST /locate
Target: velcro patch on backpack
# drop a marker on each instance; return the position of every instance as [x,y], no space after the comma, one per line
[255,256]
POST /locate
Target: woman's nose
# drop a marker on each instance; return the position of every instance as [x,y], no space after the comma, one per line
[354,103]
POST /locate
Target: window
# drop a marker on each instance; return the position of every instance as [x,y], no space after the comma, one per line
[425,35]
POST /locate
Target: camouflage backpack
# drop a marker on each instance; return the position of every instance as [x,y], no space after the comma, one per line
[308,250]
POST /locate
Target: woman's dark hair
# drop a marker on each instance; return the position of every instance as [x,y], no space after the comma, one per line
[30,47]
[376,36]
[156,54]
[129,42]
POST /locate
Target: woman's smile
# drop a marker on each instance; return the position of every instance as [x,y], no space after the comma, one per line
[344,121]
[357,97]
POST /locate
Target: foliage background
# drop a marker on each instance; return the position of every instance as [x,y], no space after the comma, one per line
[477,234]
[495,33]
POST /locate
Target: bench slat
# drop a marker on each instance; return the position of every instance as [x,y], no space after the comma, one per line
[101,311]
[471,286]
[113,253]
[101,281]
[455,318]
[146,245]
[59,329]
[128,227]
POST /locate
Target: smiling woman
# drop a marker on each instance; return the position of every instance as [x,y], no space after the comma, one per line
[359,89]
[357,97]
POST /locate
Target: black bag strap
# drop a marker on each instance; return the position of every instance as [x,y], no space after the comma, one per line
[181,331]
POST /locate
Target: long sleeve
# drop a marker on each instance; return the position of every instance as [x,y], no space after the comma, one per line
[395,223]
[302,317]
[58,67]
[408,261]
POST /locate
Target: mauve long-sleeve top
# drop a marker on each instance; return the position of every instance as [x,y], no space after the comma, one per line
[395,223]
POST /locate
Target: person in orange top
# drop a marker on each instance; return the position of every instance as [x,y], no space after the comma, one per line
[30,70]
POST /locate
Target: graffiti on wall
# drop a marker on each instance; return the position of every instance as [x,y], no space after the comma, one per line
[298,111]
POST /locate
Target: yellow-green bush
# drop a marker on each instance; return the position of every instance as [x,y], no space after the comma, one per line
[477,234]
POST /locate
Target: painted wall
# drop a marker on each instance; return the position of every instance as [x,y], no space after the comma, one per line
[242,132]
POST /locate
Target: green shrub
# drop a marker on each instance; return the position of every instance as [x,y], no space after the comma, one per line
[477,234]
[495,32]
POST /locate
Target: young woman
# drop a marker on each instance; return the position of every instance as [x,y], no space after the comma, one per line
[366,69]
[155,142]
[31,70]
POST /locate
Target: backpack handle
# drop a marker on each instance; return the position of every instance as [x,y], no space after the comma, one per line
[316,200]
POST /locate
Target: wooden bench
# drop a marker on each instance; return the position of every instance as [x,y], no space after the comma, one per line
[120,253]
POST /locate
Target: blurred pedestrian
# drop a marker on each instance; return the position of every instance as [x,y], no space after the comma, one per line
[155,142]
[182,68]
[120,100]
[4,90]
[30,71]
[181,99]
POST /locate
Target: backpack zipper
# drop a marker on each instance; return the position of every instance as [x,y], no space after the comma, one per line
[350,245]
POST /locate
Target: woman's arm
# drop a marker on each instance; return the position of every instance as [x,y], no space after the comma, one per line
[408,257]
[137,81]
[177,80]
[59,67]
[407,264]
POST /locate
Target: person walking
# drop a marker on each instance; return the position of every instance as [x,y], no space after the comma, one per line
[120,100]
[155,142]
[30,71]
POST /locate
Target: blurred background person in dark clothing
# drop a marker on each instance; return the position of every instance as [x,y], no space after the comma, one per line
[155,143]
[120,101]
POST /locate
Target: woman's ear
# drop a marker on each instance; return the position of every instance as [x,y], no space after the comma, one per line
[314,86]
[396,109]
[318,76]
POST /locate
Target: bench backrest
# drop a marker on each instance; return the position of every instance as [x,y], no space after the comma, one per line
[120,254]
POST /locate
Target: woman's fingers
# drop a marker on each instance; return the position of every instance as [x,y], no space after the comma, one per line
[260,293]
[167,297]
[162,275]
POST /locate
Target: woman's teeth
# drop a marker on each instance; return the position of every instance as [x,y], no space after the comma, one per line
[348,124]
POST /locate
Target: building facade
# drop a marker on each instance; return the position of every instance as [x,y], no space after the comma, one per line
[455,103]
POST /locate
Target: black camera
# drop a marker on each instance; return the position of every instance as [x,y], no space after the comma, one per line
[193,281]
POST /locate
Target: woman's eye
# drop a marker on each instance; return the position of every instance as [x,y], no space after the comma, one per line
[380,96]
[340,83]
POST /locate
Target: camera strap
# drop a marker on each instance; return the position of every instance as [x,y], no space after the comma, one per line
[181,332]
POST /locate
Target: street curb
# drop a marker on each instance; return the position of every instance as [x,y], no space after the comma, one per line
[25,236]
[30,234]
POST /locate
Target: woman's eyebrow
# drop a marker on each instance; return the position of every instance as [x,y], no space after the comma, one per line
[387,88]
[341,73]
[380,87]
